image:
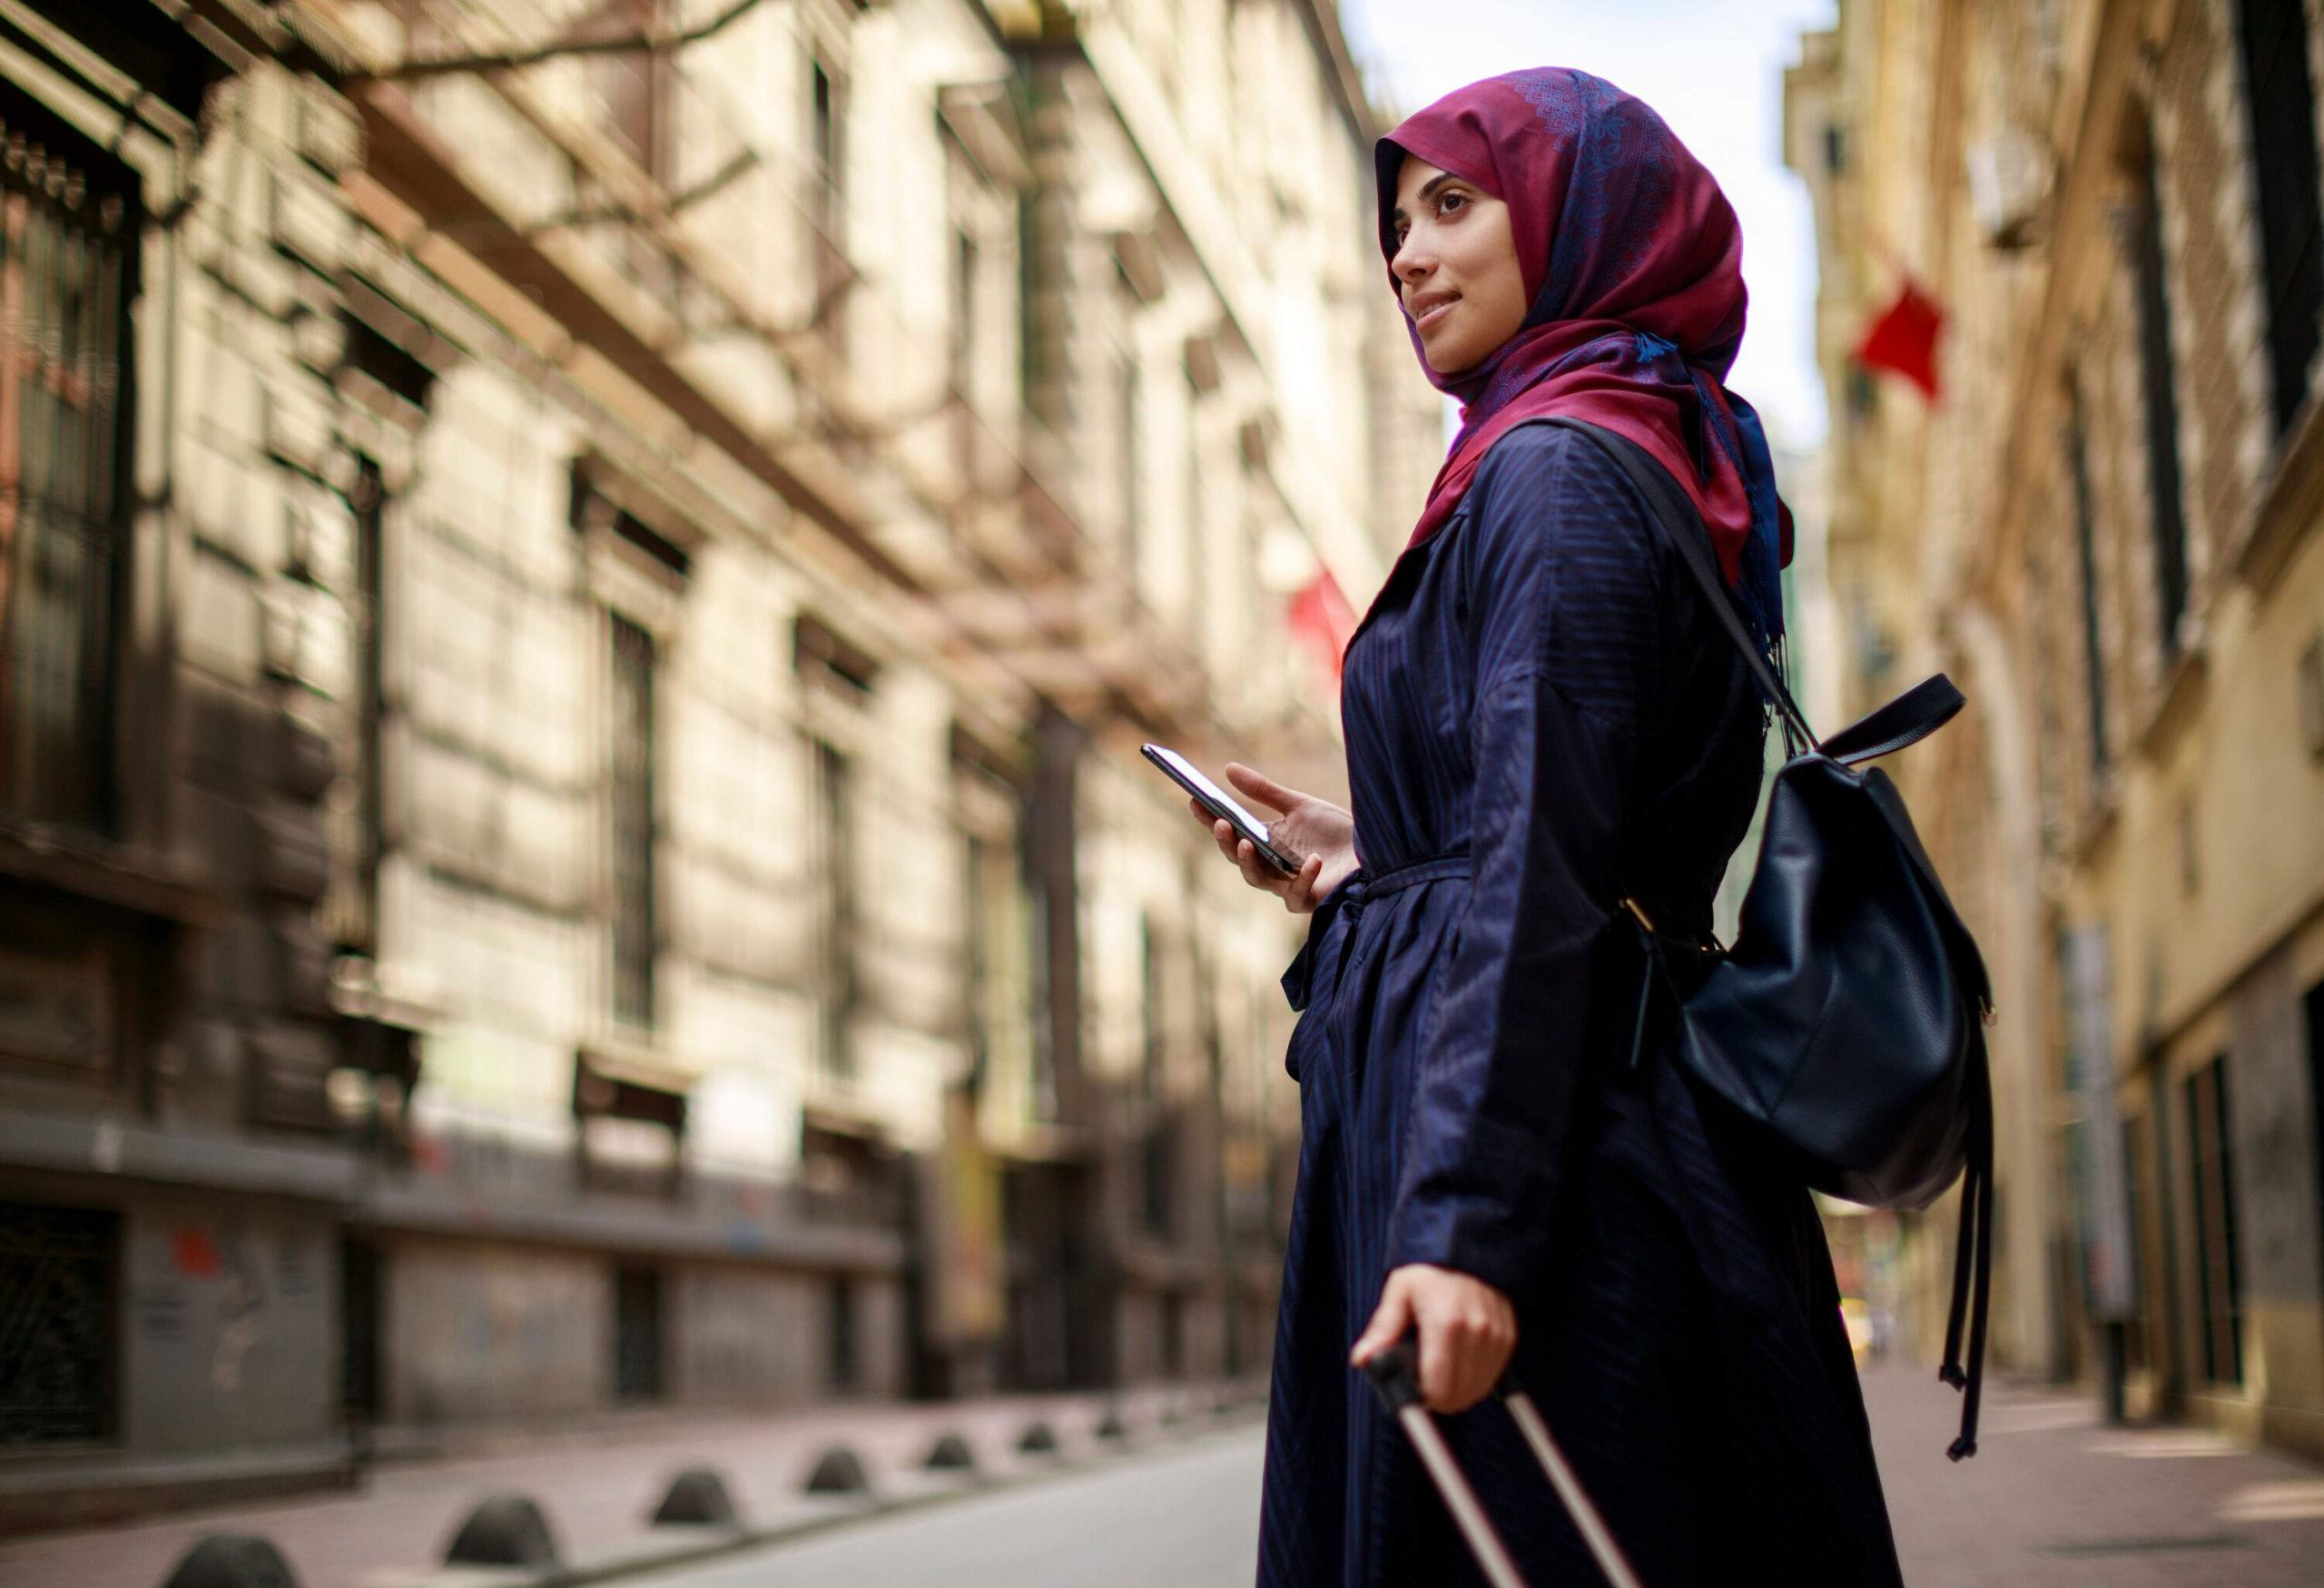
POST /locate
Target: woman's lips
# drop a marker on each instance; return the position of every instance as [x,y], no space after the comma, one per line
[1435,315]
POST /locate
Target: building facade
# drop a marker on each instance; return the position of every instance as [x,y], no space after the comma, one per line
[2104,527]
[580,584]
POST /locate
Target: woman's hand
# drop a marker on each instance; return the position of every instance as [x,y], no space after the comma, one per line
[1467,1330]
[1318,831]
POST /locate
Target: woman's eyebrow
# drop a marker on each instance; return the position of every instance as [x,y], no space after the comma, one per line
[1427,191]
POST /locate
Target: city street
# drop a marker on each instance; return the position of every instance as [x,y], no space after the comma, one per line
[2051,1499]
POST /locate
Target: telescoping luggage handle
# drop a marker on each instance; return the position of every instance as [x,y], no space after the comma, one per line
[1394,1373]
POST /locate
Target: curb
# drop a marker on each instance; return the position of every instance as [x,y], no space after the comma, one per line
[658,1556]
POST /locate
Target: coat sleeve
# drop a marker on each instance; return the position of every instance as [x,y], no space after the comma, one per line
[1562,575]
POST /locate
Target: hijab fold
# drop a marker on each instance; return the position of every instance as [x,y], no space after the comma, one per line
[1633,261]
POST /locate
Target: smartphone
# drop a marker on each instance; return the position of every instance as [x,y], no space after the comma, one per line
[1222,804]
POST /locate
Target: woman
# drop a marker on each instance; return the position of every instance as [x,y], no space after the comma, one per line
[1541,717]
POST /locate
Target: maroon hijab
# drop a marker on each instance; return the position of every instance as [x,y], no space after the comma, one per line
[1633,263]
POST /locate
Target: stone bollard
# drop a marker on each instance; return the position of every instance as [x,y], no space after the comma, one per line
[506,1530]
[232,1560]
[950,1454]
[1038,1439]
[697,1498]
[839,1471]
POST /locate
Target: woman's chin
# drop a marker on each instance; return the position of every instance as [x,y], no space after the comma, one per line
[1449,360]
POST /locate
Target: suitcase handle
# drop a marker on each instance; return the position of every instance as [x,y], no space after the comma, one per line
[1394,1373]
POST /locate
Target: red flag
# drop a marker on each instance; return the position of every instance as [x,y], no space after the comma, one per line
[1321,619]
[1904,340]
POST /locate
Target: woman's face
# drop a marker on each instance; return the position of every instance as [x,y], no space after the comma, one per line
[1456,266]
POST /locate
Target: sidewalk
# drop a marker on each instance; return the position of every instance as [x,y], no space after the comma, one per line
[598,1494]
[2053,1497]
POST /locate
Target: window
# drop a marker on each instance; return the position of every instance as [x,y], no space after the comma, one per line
[1130,457]
[2159,386]
[635,92]
[632,802]
[2085,531]
[1157,1155]
[360,1296]
[637,1333]
[827,193]
[966,264]
[355,902]
[2312,1007]
[636,89]
[977,907]
[1149,1014]
[825,133]
[1174,1334]
[2210,1161]
[835,803]
[2282,103]
[845,1363]
[59,1296]
[964,311]
[68,229]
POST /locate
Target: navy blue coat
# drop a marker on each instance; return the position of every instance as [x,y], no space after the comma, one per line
[1541,717]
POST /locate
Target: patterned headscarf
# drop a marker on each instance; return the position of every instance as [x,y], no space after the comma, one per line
[1632,263]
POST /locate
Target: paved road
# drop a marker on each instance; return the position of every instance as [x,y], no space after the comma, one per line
[598,1490]
[2052,1500]
[1188,1517]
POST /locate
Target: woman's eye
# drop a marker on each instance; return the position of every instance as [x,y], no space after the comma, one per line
[1445,202]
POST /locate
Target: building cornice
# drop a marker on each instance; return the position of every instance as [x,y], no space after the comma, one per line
[2078,258]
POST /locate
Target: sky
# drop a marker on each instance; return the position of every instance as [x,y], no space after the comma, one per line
[1714,69]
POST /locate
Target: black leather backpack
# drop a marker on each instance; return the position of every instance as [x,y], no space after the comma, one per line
[1846,1021]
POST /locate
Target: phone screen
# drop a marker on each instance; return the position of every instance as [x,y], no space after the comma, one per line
[1221,803]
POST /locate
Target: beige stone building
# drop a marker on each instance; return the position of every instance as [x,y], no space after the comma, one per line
[580,584]
[2105,530]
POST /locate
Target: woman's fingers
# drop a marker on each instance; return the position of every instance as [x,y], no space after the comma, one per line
[1389,1321]
[1300,897]
[1259,786]
[1467,1331]
[1257,871]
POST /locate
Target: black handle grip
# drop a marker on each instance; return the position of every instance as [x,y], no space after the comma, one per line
[1394,1373]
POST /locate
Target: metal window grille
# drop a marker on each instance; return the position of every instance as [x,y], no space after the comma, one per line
[2280,98]
[68,234]
[2085,529]
[632,757]
[2161,393]
[2219,1287]
[59,1292]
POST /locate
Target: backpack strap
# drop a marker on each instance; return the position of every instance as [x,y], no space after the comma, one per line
[1683,528]
[1906,720]
[1909,719]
